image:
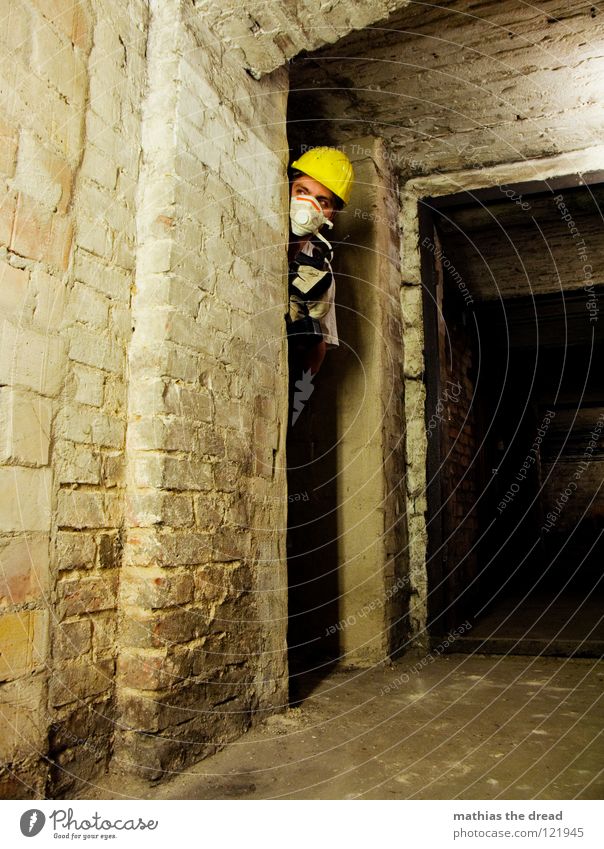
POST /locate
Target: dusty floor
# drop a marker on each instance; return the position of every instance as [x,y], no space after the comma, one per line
[462,726]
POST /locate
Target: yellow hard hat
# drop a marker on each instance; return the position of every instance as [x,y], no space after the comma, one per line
[330,167]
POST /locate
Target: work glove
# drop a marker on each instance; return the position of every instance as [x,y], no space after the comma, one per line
[308,279]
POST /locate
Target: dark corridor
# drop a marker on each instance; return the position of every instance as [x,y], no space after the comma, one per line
[515,420]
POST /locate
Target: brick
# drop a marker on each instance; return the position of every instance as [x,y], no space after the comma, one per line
[104,633]
[156,433]
[175,473]
[116,399]
[188,403]
[74,550]
[173,326]
[227,476]
[92,349]
[24,568]
[88,306]
[75,424]
[84,509]
[160,508]
[32,229]
[16,24]
[23,642]
[50,295]
[8,206]
[183,548]
[163,628]
[106,207]
[14,283]
[43,175]
[9,137]
[80,680]
[208,515]
[124,251]
[82,26]
[54,59]
[31,359]
[90,384]
[66,127]
[81,725]
[76,463]
[38,234]
[144,670]
[22,725]
[230,544]
[93,236]
[109,431]
[217,582]
[24,499]
[154,588]
[60,13]
[186,474]
[109,281]
[160,290]
[120,321]
[59,247]
[99,168]
[24,427]
[72,639]
[110,550]
[170,361]
[113,469]
[104,98]
[86,595]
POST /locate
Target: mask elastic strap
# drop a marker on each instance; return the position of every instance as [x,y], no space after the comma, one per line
[323,239]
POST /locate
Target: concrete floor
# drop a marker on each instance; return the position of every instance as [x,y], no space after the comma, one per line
[462,726]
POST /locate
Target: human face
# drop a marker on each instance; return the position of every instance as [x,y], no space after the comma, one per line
[307,186]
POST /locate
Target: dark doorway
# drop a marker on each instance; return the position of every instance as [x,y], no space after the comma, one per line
[515,417]
[312,557]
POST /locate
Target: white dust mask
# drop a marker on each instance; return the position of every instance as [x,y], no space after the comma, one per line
[306,215]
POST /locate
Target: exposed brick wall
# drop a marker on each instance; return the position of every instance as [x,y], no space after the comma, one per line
[263,36]
[456,415]
[43,109]
[90,428]
[70,166]
[203,629]
[142,471]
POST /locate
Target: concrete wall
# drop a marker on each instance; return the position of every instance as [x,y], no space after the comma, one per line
[348,557]
[368,393]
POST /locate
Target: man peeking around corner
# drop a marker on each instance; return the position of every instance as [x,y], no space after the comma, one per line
[321,184]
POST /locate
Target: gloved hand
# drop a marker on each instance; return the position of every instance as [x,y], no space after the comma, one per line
[308,278]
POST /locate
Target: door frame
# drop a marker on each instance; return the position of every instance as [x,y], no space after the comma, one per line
[422,197]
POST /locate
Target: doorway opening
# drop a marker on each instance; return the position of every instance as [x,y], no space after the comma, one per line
[347,531]
[512,279]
